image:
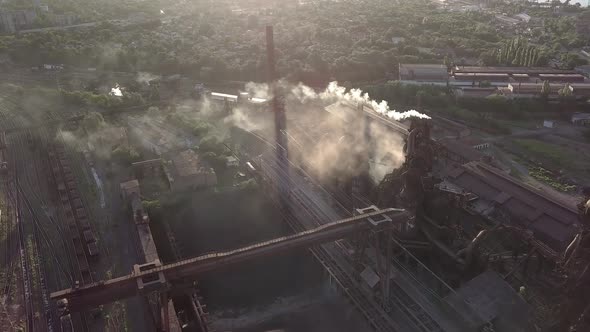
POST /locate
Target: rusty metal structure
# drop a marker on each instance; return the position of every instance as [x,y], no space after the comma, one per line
[154,277]
[79,228]
[575,313]
[406,184]
[480,219]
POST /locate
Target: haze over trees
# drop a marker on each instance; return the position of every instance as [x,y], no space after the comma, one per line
[346,40]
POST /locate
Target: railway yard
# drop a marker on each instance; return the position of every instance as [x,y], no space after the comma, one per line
[49,198]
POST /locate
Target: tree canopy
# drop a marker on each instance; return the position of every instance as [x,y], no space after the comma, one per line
[315,42]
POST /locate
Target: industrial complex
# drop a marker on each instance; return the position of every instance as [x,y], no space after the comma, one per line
[415,221]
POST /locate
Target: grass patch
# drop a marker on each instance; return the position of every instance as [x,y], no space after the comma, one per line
[476,120]
[529,125]
[515,173]
[550,152]
[549,178]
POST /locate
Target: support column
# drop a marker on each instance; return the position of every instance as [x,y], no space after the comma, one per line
[164,316]
[388,253]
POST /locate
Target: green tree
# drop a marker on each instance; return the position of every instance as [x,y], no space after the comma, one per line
[92,122]
[125,155]
[212,144]
[447,62]
[250,185]
[566,91]
[152,207]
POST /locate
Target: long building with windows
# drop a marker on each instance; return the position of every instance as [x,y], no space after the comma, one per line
[15,20]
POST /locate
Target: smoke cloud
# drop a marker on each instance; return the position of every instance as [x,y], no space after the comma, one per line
[145,78]
[116,91]
[336,144]
[338,93]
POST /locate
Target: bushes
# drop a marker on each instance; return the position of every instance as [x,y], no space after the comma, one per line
[85,98]
[196,126]
[249,185]
[152,207]
[214,145]
[477,120]
[125,155]
[92,122]
[547,177]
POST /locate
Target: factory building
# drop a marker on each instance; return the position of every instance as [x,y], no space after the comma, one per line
[583,24]
[424,73]
[503,75]
[474,81]
[12,21]
[532,90]
[531,71]
[186,171]
[15,20]
[581,119]
[223,97]
[551,221]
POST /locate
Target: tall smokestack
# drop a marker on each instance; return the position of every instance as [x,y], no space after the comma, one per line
[270,55]
[278,108]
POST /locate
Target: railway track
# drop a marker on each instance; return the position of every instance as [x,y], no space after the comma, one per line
[33,241]
[402,312]
[8,110]
[81,232]
[46,235]
[27,264]
[326,255]
[15,255]
[33,187]
[330,256]
[11,247]
[40,272]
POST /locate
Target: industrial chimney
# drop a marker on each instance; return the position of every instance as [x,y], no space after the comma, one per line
[278,108]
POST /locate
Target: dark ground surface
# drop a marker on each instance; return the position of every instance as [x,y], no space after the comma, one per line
[330,314]
[228,220]
[284,293]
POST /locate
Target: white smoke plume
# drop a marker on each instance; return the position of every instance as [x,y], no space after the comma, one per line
[241,119]
[116,91]
[387,152]
[339,93]
[145,78]
[335,92]
[258,90]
